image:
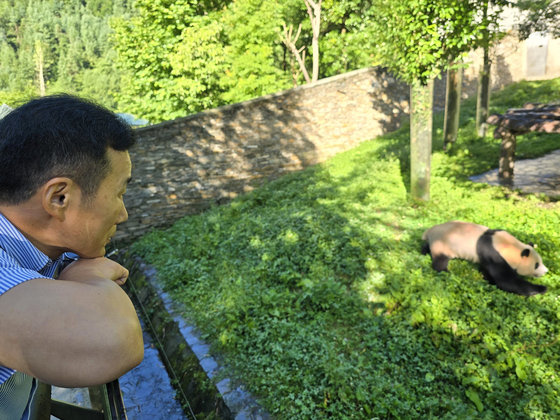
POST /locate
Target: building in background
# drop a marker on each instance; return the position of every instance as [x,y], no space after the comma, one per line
[536,58]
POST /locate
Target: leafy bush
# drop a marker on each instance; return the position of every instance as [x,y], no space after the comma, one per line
[314,288]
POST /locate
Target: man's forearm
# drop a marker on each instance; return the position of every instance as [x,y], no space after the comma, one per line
[80,333]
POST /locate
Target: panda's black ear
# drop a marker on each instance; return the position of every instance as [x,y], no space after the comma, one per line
[525,252]
[531,244]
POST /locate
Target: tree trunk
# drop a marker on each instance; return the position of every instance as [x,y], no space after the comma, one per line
[483,99]
[291,44]
[315,44]
[421,104]
[507,154]
[314,11]
[452,106]
[39,63]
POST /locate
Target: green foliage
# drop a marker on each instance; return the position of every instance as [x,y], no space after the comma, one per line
[145,44]
[255,50]
[14,99]
[416,39]
[194,58]
[347,41]
[314,287]
[73,36]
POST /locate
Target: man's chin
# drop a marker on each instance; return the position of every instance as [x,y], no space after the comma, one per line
[93,254]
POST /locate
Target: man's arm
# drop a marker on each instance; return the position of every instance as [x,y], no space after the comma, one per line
[81,330]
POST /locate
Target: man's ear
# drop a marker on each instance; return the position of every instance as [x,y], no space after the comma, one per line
[58,195]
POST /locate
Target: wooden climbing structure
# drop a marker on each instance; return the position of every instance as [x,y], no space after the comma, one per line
[516,121]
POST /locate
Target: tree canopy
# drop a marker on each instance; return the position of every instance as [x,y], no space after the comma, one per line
[163,59]
[67,39]
[416,39]
[180,57]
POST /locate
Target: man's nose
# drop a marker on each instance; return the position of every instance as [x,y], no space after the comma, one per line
[123,216]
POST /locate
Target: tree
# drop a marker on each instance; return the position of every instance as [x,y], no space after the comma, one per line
[146,45]
[298,53]
[452,104]
[491,10]
[539,16]
[416,39]
[314,11]
[40,64]
[483,94]
[257,60]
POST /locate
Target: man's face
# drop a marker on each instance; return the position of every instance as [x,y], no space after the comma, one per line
[95,221]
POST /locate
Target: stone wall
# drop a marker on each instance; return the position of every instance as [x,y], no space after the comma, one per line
[184,166]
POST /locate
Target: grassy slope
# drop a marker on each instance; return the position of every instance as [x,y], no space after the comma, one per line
[315,290]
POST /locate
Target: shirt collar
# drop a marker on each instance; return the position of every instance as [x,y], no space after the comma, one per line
[20,248]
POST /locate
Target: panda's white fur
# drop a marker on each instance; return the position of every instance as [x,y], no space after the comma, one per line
[455,239]
[502,257]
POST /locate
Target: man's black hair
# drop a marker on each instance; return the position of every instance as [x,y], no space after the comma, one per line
[59,135]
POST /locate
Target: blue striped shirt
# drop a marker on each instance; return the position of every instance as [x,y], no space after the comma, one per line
[21,261]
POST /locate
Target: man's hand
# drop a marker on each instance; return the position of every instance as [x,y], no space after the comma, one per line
[86,269]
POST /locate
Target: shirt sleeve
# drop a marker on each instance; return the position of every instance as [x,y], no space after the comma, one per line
[12,274]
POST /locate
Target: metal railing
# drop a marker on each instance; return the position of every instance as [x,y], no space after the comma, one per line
[106,403]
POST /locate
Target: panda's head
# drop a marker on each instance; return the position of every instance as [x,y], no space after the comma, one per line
[521,257]
[530,263]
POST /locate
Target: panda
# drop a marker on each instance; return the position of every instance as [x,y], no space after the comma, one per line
[502,258]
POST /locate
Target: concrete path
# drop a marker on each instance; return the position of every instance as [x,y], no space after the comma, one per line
[541,175]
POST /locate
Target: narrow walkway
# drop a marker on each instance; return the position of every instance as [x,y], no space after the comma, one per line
[541,175]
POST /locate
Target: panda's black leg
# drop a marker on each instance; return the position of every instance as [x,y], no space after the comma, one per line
[439,262]
[426,248]
[505,278]
[521,287]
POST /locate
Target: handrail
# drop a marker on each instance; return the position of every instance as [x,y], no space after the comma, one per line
[108,396]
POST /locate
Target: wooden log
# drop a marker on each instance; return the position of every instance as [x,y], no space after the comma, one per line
[531,105]
[507,154]
[534,115]
[494,119]
[525,126]
[520,125]
[533,112]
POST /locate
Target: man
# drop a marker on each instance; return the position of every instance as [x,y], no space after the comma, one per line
[64,168]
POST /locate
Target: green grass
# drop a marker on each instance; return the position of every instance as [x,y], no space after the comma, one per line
[314,288]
